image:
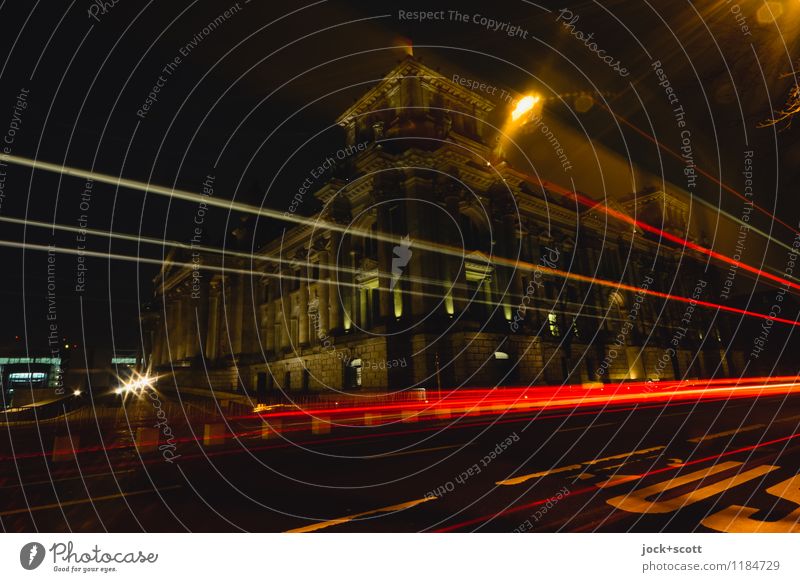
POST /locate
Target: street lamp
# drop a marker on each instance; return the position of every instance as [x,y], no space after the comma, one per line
[524,105]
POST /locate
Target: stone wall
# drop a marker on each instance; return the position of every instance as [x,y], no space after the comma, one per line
[465,359]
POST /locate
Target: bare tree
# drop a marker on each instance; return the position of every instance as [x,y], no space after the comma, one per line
[789,110]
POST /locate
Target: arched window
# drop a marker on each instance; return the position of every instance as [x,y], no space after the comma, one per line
[353,373]
[476,234]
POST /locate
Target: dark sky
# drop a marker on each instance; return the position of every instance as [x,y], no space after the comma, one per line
[267,80]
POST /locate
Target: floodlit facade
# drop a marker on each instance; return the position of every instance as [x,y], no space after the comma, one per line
[434,263]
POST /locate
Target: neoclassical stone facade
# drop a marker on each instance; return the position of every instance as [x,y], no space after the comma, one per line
[434,263]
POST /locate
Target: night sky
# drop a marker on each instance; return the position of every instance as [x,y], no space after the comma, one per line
[275,74]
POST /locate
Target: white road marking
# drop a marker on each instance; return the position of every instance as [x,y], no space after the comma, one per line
[738,519]
[636,501]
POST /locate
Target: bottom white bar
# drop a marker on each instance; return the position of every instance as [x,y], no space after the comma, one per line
[389,557]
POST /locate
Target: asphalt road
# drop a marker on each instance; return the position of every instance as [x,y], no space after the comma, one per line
[727,465]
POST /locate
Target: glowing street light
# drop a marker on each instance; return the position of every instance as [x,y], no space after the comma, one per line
[524,105]
[137,385]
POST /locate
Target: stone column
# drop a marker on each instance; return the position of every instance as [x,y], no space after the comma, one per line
[363,307]
[236,318]
[201,307]
[195,322]
[518,288]
[511,282]
[487,291]
[158,342]
[190,327]
[350,133]
[252,294]
[417,267]
[335,293]
[212,341]
[452,198]
[352,290]
[267,318]
[385,254]
[178,334]
[323,293]
[302,317]
[167,323]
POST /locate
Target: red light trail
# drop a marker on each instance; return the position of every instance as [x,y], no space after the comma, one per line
[595,205]
[499,402]
[508,400]
[677,156]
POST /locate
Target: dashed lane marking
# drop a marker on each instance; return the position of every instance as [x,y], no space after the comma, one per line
[725,433]
[87,500]
[61,479]
[345,519]
[591,426]
[417,451]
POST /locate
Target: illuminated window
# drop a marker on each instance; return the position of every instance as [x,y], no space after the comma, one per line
[552,322]
[354,373]
[26,377]
[53,361]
